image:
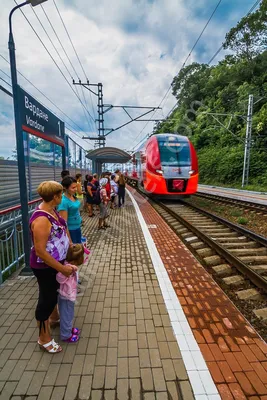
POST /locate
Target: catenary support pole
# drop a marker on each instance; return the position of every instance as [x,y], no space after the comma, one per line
[247,142]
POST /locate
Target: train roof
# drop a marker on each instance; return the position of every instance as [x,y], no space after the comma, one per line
[162,136]
[171,135]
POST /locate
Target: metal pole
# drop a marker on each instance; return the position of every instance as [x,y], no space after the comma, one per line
[20,148]
[247,142]
[100,107]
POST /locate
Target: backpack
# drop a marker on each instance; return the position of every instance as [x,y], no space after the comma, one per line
[97,199]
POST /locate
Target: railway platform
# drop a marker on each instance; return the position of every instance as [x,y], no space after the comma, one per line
[238,194]
[155,326]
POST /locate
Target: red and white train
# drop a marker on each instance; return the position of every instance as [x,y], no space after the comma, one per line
[165,166]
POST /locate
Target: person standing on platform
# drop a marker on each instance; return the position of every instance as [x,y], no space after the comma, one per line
[69,209]
[95,183]
[79,194]
[121,191]
[108,185]
[89,195]
[85,183]
[51,242]
[114,191]
[103,206]
[117,176]
[65,173]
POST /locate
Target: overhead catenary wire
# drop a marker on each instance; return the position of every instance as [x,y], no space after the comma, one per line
[84,111]
[2,79]
[51,57]
[74,69]
[66,54]
[221,47]
[212,58]
[82,90]
[78,58]
[43,94]
[51,41]
[70,38]
[195,44]
[71,77]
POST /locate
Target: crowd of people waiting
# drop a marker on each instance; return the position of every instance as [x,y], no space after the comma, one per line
[57,249]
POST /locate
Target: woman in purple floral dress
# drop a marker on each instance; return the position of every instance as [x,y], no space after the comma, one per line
[51,241]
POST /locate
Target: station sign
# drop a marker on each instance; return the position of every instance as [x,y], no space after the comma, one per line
[38,120]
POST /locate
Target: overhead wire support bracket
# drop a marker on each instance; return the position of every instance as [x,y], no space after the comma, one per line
[100,107]
[136,119]
[227,127]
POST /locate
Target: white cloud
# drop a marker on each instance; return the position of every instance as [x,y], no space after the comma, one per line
[134,47]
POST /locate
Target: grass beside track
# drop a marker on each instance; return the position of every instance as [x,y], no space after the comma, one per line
[255,222]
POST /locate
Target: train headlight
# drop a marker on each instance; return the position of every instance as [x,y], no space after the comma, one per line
[159,171]
[191,172]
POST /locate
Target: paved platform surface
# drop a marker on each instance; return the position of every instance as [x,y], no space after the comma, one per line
[127,350]
[235,355]
[245,195]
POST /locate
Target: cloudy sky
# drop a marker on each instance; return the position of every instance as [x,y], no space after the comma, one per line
[134,47]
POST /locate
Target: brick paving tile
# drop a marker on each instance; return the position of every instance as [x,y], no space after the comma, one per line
[123,368]
[36,383]
[173,390]
[159,381]
[24,383]
[8,390]
[18,370]
[135,389]
[122,389]
[150,396]
[186,390]
[85,387]
[45,393]
[162,396]
[72,388]
[147,379]
[127,341]
[223,334]
[109,395]
[98,377]
[134,368]
[58,393]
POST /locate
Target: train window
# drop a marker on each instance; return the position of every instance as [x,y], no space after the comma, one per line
[174,153]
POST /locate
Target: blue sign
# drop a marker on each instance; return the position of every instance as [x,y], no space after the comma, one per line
[38,120]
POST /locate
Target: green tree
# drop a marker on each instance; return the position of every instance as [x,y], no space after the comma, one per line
[249,37]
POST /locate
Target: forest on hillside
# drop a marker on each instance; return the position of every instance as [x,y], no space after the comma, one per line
[212,104]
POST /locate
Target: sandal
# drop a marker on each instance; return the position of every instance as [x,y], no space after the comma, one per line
[55,349]
[76,331]
[72,339]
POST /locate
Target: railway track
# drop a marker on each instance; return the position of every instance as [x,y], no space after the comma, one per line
[258,208]
[235,256]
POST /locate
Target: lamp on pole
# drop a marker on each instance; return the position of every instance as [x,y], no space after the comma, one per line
[19,139]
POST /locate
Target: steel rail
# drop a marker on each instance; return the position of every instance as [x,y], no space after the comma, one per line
[239,203]
[258,280]
[246,232]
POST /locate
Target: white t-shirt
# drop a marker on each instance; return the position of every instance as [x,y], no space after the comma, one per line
[114,187]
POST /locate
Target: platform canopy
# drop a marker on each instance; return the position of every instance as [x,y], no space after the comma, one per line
[108,155]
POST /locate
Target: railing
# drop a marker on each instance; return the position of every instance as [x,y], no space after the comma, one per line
[11,239]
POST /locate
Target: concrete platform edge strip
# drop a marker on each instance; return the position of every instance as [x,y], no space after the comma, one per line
[198,372]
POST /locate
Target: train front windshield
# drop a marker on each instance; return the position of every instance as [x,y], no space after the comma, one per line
[174,154]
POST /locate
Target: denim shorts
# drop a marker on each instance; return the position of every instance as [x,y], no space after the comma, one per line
[76,235]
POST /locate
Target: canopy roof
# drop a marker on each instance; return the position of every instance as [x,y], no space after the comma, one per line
[108,155]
